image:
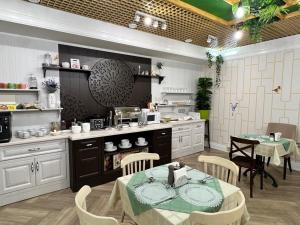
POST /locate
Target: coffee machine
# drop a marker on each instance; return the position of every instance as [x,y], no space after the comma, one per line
[5,127]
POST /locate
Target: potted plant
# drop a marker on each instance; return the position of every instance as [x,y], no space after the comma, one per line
[51,86]
[204,94]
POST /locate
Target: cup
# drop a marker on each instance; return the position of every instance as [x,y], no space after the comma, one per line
[141,140]
[109,145]
[32,132]
[85,67]
[40,133]
[65,64]
[11,86]
[124,142]
[45,130]
[86,127]
[26,134]
[20,133]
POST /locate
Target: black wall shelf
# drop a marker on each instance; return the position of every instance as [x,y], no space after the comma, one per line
[45,68]
[160,78]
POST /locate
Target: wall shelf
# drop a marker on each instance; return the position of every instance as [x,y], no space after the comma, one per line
[160,78]
[177,93]
[58,68]
[183,105]
[31,110]
[18,90]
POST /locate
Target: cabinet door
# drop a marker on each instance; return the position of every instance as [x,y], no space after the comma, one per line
[186,140]
[162,144]
[50,168]
[175,142]
[17,174]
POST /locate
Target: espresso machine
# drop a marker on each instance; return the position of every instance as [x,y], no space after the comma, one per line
[5,127]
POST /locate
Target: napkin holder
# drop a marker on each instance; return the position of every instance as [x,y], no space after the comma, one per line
[180,177]
[173,168]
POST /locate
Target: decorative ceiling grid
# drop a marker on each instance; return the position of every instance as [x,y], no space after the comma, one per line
[182,24]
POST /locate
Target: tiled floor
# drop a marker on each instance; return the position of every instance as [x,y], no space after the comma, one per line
[279,206]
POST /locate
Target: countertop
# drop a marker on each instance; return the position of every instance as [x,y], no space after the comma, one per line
[98,133]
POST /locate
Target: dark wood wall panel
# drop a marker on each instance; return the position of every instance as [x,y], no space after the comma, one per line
[76,97]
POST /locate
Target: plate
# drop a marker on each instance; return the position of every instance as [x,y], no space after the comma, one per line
[111,150]
[159,173]
[200,195]
[129,146]
[145,144]
[144,193]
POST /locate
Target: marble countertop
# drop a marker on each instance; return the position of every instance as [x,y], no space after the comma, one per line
[98,133]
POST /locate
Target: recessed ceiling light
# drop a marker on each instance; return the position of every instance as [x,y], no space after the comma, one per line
[35,1]
[188,40]
[238,35]
[155,24]
[240,12]
[132,25]
[147,21]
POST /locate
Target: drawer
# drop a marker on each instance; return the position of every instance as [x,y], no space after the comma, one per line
[198,127]
[181,128]
[36,148]
[88,143]
[162,133]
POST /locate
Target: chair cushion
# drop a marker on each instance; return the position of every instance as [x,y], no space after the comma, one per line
[243,161]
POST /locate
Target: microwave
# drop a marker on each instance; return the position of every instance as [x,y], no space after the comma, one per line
[152,117]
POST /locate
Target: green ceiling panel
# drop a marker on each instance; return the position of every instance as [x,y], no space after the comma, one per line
[219,8]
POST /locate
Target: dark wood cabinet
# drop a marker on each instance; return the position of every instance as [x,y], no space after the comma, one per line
[162,145]
[87,156]
[85,161]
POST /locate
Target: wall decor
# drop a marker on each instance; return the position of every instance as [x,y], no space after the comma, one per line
[233,107]
[111,82]
[219,61]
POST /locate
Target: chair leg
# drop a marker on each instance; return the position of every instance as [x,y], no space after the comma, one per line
[289,164]
[268,162]
[240,173]
[284,167]
[123,216]
[251,184]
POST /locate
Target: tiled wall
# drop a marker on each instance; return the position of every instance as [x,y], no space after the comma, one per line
[249,81]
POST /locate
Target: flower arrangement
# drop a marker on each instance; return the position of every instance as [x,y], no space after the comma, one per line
[50,85]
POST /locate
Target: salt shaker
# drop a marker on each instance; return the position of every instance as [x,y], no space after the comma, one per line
[171,175]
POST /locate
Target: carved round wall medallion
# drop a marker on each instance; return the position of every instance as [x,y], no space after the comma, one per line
[111,82]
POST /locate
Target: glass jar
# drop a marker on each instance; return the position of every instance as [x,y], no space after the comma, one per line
[47,59]
[32,83]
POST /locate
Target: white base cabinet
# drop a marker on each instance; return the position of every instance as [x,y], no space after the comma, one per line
[34,169]
[187,139]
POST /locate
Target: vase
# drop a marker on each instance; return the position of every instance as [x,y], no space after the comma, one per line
[51,101]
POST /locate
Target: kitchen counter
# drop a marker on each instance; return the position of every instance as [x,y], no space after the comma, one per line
[98,133]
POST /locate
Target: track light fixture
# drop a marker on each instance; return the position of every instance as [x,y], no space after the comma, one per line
[149,20]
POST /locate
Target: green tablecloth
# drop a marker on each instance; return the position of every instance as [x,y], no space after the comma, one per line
[177,204]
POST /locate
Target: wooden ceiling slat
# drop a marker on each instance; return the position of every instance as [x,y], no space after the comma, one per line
[182,23]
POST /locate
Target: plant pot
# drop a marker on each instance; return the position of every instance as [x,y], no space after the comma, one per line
[51,101]
[204,114]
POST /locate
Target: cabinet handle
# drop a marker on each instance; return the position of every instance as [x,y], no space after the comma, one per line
[163,133]
[37,149]
[89,145]
[32,167]
[32,150]
[37,166]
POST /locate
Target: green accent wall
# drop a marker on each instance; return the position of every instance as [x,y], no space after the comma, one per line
[219,8]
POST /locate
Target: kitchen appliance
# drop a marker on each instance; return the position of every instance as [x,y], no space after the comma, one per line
[148,117]
[126,114]
[5,127]
[97,124]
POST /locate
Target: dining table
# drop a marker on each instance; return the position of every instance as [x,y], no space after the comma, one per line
[148,199]
[275,149]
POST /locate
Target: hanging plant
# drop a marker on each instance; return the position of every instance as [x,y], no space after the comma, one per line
[264,12]
[209,59]
[219,62]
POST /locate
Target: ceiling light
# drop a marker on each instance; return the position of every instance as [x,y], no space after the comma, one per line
[132,25]
[238,35]
[188,40]
[240,12]
[35,1]
[164,26]
[147,21]
[137,18]
[155,24]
